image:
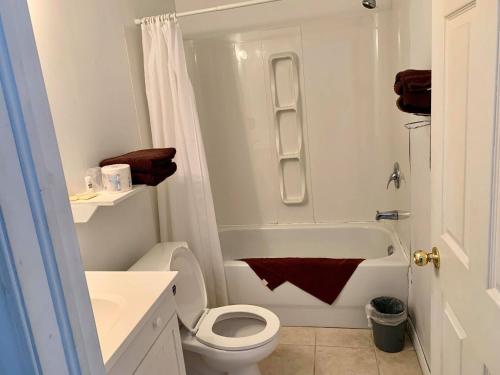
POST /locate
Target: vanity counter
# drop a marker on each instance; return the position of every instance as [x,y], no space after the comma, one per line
[131,309]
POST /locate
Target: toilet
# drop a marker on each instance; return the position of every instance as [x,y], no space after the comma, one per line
[224,340]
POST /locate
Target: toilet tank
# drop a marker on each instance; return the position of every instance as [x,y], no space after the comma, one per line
[158,258]
[190,290]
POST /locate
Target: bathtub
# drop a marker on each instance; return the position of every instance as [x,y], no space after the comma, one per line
[384,272]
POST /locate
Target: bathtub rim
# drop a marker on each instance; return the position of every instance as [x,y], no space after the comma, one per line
[399,256]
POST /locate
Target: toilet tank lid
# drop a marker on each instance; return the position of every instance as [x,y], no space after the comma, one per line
[158,257]
[190,289]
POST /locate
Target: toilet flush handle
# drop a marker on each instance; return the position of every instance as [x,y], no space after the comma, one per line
[157,323]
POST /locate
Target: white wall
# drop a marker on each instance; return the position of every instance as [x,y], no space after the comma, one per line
[415,27]
[420,287]
[90,53]
[400,19]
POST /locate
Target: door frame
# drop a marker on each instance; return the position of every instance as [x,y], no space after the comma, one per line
[46,275]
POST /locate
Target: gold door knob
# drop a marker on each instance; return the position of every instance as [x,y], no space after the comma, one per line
[422,258]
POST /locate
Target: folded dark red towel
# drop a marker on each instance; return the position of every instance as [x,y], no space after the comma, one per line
[414,88]
[323,278]
[153,179]
[412,80]
[416,105]
[144,161]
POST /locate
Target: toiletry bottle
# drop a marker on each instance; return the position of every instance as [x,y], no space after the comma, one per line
[89,185]
[93,180]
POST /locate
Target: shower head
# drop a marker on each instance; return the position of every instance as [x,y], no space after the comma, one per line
[370,4]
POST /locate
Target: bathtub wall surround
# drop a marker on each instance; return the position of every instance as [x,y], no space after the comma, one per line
[332,155]
[265,15]
[94,78]
[296,307]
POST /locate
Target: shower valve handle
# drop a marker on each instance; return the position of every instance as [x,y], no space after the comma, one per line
[395,176]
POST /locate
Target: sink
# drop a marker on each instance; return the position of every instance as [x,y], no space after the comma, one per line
[107,311]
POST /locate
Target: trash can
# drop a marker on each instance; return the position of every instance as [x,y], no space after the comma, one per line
[387,317]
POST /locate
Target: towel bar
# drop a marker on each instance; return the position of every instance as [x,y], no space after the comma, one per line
[419,123]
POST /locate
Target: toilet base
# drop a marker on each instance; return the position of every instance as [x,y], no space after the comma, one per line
[195,365]
[250,370]
[201,359]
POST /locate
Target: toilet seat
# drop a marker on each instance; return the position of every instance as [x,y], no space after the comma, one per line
[207,336]
[191,301]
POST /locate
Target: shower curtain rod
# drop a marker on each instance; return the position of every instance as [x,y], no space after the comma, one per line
[216,9]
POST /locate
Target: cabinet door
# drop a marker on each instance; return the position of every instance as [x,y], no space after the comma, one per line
[165,356]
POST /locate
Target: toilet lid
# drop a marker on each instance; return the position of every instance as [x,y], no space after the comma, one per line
[206,334]
[190,292]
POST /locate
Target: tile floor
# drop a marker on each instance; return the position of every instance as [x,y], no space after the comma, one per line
[336,351]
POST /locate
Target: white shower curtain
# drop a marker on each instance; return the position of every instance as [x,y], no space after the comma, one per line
[185,203]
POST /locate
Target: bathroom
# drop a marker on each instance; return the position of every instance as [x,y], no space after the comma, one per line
[301,190]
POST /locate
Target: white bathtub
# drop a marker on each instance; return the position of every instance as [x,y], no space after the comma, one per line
[380,274]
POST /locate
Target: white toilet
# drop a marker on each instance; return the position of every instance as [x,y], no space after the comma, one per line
[223,340]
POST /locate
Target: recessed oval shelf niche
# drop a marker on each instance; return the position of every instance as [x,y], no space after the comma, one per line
[285,90]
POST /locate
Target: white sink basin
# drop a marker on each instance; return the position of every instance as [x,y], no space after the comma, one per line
[107,310]
[120,301]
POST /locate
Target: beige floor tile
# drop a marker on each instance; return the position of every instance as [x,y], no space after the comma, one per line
[404,362]
[297,336]
[289,360]
[346,338]
[345,361]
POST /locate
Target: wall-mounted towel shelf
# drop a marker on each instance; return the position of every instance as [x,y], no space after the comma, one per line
[83,210]
[419,123]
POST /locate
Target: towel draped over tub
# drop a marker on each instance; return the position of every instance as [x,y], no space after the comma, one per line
[324,278]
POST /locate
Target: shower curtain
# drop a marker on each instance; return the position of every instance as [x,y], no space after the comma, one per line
[186,209]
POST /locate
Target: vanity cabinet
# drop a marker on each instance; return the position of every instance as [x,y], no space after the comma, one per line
[155,347]
[165,356]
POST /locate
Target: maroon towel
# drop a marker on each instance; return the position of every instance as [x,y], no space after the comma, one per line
[144,161]
[423,107]
[414,88]
[153,179]
[412,80]
[324,278]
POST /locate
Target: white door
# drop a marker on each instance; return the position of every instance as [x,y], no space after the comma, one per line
[465,188]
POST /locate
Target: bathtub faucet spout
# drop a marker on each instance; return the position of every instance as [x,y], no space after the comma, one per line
[392,215]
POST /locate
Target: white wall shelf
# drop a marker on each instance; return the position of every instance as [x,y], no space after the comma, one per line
[83,210]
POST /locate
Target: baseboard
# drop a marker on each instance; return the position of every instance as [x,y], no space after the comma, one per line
[418,348]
